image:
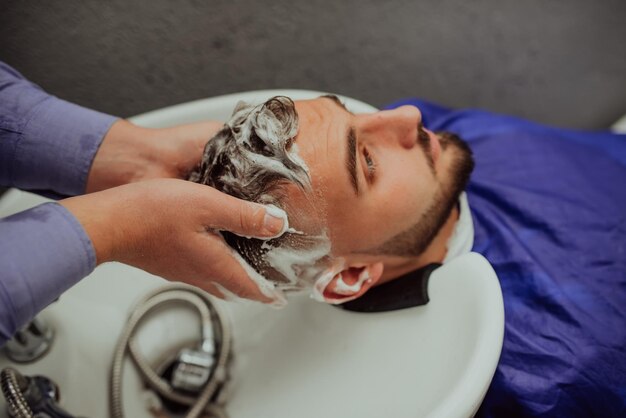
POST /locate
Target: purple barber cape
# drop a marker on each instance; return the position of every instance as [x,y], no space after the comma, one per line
[549,212]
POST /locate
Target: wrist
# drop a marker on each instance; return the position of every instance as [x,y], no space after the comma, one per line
[131,153]
[123,157]
[110,220]
[92,223]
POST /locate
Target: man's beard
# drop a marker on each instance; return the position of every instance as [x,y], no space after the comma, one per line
[415,240]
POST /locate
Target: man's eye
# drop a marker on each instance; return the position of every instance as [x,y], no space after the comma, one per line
[371,165]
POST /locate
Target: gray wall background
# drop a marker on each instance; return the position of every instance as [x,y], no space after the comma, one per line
[558,62]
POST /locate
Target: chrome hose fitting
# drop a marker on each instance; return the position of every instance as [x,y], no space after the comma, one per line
[30,343]
[13,386]
[30,397]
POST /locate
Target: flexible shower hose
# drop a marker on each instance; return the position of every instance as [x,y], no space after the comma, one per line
[12,390]
[201,301]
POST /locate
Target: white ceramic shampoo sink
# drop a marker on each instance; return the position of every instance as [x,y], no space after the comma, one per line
[308,360]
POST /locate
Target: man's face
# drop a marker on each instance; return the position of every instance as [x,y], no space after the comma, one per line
[377,189]
[376,175]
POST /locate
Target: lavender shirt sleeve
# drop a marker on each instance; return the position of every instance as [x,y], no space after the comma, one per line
[46,145]
[43,252]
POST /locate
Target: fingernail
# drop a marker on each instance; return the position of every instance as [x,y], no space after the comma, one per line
[275,221]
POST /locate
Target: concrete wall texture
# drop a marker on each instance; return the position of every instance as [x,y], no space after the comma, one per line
[557,62]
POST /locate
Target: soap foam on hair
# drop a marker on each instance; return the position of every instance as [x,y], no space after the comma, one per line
[266,287]
[299,266]
[251,158]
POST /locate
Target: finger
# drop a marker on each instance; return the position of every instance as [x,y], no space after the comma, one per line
[227,213]
[245,282]
[244,287]
[213,290]
[229,273]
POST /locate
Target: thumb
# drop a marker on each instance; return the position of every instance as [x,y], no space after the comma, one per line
[261,221]
[244,218]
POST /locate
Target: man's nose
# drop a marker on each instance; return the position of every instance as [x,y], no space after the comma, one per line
[395,126]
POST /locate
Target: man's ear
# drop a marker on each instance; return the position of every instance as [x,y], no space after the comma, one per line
[351,282]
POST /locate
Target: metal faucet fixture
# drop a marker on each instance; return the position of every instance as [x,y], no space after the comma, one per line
[30,343]
[30,397]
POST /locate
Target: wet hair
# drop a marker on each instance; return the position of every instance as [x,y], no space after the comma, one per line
[250,157]
[253,157]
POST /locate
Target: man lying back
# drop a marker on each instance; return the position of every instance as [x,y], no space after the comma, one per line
[547,211]
[369,197]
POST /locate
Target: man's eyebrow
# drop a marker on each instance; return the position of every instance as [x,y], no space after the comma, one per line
[351,160]
[351,142]
[337,101]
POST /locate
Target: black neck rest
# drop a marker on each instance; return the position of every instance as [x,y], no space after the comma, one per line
[404,292]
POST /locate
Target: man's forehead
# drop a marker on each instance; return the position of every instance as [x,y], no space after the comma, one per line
[326,100]
[322,129]
[336,100]
[322,118]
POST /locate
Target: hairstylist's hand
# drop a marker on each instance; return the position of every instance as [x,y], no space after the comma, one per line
[130,153]
[166,228]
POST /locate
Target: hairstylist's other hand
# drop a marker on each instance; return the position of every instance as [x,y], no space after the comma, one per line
[166,227]
[130,153]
